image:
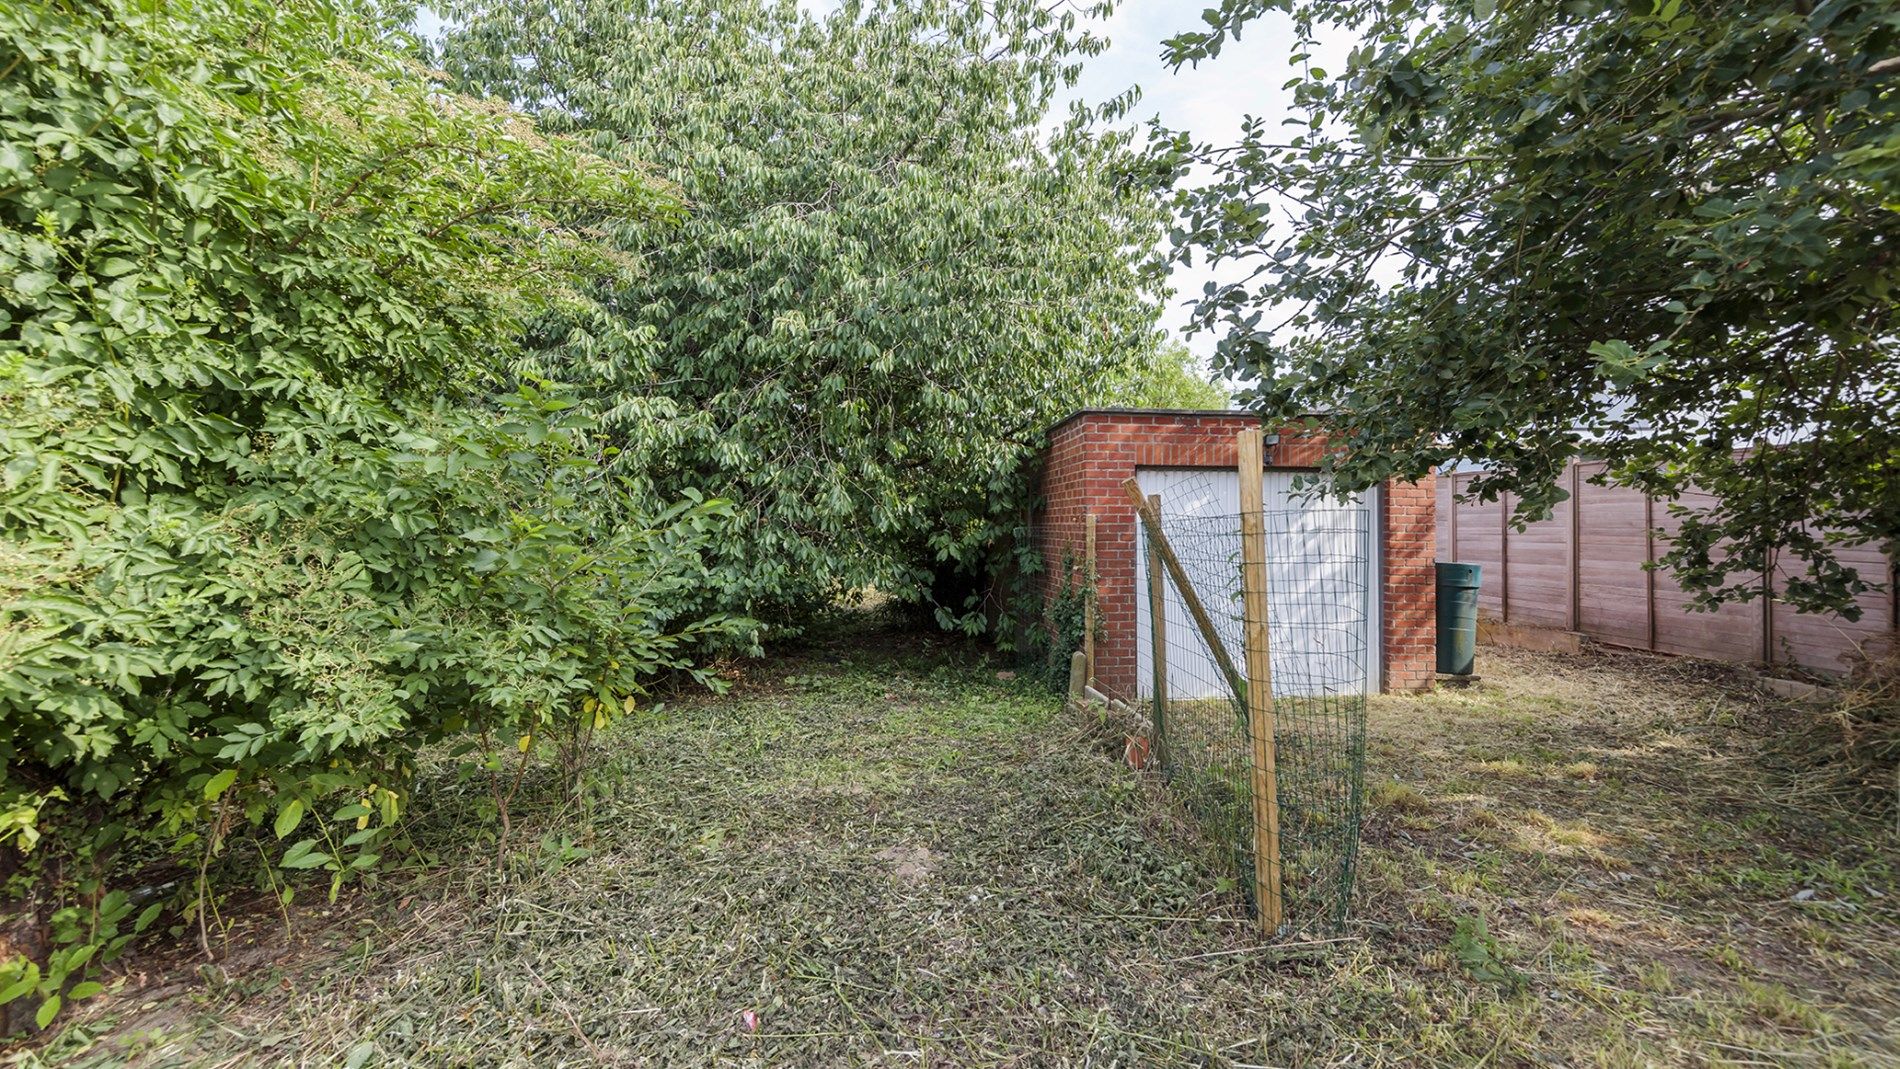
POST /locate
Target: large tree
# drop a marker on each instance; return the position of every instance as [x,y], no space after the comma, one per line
[1170,376]
[896,270]
[1665,232]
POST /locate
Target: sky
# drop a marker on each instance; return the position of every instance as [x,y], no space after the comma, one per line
[1209,102]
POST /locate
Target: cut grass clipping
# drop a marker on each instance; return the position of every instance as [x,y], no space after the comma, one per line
[875,851]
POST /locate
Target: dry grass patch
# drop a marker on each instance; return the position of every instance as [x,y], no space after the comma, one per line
[1722,899]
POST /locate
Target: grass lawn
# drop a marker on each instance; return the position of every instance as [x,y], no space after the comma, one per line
[877,852]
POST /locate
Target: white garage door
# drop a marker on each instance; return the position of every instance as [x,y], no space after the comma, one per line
[1322,580]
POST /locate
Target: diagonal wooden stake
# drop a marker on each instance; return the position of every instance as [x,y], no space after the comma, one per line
[1151,518]
[1253,589]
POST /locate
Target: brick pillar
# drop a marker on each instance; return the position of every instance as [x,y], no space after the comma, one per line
[1408,582]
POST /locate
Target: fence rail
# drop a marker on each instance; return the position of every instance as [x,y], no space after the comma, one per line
[1583,570]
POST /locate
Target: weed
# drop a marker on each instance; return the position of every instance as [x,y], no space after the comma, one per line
[1657,977]
[1730,958]
[1481,956]
[1782,1007]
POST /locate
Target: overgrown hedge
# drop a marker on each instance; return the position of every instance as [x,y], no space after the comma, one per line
[263,533]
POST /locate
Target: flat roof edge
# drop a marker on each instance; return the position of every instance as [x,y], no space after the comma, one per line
[1218,413]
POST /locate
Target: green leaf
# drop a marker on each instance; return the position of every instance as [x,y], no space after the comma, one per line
[309,859]
[23,986]
[220,783]
[32,284]
[289,817]
[47,1011]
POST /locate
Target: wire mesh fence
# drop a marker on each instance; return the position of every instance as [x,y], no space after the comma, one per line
[1318,634]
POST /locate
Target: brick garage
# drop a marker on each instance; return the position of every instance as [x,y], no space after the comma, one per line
[1091,454]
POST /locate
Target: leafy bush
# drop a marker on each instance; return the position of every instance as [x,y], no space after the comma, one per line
[263,534]
[1169,376]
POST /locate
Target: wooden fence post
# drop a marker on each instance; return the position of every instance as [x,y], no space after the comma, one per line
[1260,720]
[1504,557]
[1088,597]
[1451,551]
[1649,574]
[1151,519]
[1158,642]
[1768,612]
[1575,610]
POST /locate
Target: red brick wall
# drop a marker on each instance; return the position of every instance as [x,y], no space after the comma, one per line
[1093,453]
[1408,541]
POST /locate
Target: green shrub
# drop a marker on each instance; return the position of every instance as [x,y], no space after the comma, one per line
[262,532]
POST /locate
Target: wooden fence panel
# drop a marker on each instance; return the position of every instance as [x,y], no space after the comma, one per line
[1582,569]
[1823,643]
[1611,543]
[1733,632]
[1540,572]
[1480,540]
